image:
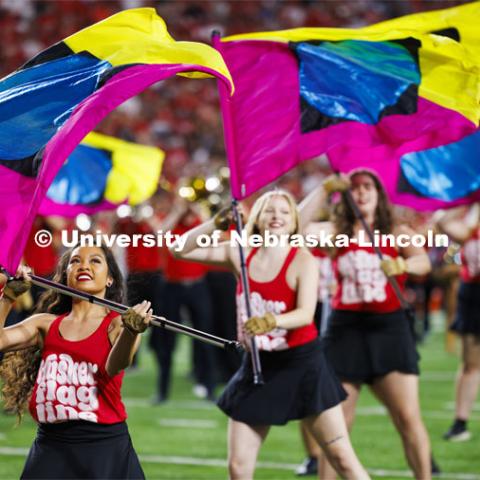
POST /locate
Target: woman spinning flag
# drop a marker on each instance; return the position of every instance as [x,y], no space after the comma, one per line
[299,383]
[67,363]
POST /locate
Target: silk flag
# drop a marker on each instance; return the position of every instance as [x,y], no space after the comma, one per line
[101,173]
[49,104]
[388,89]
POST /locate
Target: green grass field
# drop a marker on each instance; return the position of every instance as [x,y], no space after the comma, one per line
[186,438]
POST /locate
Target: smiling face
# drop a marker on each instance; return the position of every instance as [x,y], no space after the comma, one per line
[276,216]
[87,270]
[365,194]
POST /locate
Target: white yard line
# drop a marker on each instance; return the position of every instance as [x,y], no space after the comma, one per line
[14,451]
[372,410]
[187,423]
[381,411]
[437,376]
[450,406]
[174,404]
[221,463]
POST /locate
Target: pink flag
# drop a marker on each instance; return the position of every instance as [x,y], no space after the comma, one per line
[366,97]
[50,104]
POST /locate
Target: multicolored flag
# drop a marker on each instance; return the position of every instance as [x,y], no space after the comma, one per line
[366,97]
[101,173]
[50,104]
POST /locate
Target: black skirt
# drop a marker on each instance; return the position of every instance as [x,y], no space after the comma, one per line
[467,318]
[298,383]
[81,450]
[364,346]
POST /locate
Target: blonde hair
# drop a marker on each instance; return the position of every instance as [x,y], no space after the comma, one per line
[261,203]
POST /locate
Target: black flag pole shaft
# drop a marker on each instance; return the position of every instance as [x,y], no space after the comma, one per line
[256,365]
[157,321]
[231,155]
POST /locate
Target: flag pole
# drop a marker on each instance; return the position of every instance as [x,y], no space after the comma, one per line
[393,281]
[156,321]
[231,154]
[257,367]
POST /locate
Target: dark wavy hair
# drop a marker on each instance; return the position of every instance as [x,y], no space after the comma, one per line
[55,302]
[344,216]
[19,369]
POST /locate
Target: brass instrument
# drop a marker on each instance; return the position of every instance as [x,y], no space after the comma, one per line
[211,191]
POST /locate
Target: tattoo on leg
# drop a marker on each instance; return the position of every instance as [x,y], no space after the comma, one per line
[334,440]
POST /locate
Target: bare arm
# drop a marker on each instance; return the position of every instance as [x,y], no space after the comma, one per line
[416,258]
[316,228]
[24,334]
[126,340]
[5,307]
[316,201]
[123,350]
[188,249]
[310,206]
[307,288]
[458,227]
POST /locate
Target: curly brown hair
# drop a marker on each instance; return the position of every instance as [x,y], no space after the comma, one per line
[344,216]
[18,370]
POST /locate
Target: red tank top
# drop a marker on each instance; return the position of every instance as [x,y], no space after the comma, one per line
[362,285]
[470,256]
[72,383]
[325,271]
[274,297]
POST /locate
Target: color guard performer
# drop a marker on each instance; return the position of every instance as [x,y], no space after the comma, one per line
[299,383]
[369,338]
[67,364]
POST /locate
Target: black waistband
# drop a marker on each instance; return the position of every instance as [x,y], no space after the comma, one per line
[80,431]
[359,317]
[298,351]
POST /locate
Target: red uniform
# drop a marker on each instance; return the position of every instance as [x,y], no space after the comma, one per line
[325,273]
[362,285]
[470,255]
[183,270]
[72,383]
[140,258]
[43,260]
[274,297]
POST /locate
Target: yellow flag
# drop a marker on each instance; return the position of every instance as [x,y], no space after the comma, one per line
[135,168]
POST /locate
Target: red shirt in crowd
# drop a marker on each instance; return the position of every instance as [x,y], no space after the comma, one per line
[43,260]
[182,270]
[139,258]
